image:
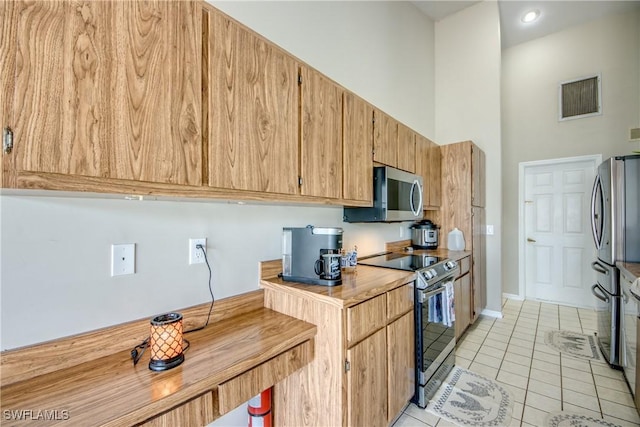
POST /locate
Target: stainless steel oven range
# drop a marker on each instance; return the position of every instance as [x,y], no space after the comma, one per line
[434,324]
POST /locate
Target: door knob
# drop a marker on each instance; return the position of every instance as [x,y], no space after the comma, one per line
[530,240]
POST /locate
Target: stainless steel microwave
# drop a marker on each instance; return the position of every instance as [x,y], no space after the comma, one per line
[397,196]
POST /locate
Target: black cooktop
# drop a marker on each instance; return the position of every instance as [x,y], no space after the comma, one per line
[401,261]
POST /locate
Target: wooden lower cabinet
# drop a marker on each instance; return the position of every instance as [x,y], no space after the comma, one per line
[194,413]
[463,297]
[401,364]
[367,381]
[362,372]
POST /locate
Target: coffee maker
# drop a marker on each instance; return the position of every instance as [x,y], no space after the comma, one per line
[312,255]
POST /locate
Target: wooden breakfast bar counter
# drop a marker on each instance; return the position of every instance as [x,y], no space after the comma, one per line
[245,349]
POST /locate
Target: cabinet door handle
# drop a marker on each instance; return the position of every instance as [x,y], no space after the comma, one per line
[7,140]
[530,240]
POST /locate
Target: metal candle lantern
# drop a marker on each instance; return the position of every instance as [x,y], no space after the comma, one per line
[166,342]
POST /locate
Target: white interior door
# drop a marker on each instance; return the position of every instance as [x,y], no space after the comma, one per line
[558,245]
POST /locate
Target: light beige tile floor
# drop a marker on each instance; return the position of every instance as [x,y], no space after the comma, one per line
[512,351]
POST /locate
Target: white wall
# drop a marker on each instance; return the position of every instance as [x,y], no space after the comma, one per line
[468,108]
[530,127]
[55,250]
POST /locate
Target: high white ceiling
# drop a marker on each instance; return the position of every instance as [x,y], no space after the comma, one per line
[555,15]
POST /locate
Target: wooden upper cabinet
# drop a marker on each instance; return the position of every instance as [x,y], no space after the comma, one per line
[428,166]
[108,89]
[385,139]
[478,176]
[357,167]
[435,177]
[252,109]
[321,135]
[406,148]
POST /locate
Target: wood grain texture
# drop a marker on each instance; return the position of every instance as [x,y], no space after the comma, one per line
[8,18]
[400,301]
[365,318]
[406,149]
[367,381]
[195,413]
[314,395]
[385,139]
[365,283]
[401,364]
[109,89]
[110,391]
[240,389]
[479,261]
[463,305]
[423,167]
[253,110]
[456,190]
[320,135]
[32,361]
[435,170]
[79,186]
[465,265]
[478,190]
[397,246]
[357,164]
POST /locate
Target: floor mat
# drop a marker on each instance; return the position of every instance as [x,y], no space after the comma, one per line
[574,344]
[568,419]
[469,399]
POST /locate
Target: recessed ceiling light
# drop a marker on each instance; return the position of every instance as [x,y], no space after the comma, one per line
[530,16]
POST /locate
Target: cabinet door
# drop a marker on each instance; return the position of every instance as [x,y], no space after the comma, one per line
[109,89]
[435,180]
[422,166]
[478,261]
[478,176]
[357,167]
[406,148]
[367,381]
[401,364]
[253,110]
[463,306]
[385,139]
[321,144]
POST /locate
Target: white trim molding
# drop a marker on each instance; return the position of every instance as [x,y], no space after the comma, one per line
[492,313]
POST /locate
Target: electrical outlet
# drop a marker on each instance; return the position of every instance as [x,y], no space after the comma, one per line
[196,255]
[489,230]
[123,259]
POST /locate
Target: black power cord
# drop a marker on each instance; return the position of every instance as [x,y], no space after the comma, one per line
[138,350]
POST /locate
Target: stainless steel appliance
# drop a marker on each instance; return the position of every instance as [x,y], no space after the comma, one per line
[434,340]
[615,224]
[312,255]
[397,196]
[424,235]
[630,318]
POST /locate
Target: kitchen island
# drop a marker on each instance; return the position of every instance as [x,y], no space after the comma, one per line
[363,372]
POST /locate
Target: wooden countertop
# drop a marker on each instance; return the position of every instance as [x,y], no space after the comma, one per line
[110,391]
[357,286]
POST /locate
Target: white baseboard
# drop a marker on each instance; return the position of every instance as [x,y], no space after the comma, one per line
[492,313]
[512,296]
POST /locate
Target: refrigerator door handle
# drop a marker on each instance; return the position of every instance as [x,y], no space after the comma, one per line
[600,295]
[599,268]
[594,230]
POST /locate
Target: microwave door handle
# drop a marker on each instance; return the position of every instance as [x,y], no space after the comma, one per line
[416,209]
[594,227]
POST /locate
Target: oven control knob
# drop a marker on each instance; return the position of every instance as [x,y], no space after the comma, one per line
[427,274]
[433,272]
[450,265]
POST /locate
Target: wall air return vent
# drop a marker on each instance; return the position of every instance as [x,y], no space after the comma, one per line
[580,98]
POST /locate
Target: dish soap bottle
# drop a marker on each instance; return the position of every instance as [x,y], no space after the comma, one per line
[455,240]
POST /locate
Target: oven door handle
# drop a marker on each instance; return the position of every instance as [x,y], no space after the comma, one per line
[423,296]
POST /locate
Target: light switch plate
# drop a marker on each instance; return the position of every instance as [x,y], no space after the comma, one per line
[123,259]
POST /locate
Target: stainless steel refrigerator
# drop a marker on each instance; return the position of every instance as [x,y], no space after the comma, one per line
[615,224]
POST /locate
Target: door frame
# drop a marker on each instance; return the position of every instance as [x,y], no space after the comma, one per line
[596,159]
